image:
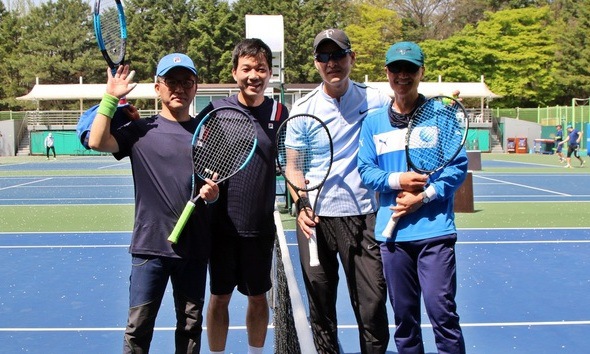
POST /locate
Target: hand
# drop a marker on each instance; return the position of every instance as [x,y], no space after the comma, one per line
[412,181]
[209,192]
[306,220]
[407,203]
[121,83]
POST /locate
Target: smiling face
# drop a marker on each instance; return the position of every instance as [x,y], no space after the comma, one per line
[404,77]
[252,75]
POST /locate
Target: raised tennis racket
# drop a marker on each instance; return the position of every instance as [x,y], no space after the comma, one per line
[436,134]
[223,144]
[304,157]
[110,29]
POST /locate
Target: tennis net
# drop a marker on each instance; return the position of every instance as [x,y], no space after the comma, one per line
[291,328]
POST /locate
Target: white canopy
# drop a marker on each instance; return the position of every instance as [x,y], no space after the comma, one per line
[41,92]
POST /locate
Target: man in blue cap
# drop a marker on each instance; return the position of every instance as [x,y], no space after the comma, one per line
[572,140]
[160,151]
[419,257]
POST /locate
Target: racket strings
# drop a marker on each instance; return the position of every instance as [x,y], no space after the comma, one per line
[111,29]
[435,135]
[224,144]
[304,152]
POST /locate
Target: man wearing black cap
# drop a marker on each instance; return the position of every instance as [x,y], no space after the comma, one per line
[346,208]
[159,148]
[419,257]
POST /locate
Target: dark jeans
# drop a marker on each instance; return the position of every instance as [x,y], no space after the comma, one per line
[148,281]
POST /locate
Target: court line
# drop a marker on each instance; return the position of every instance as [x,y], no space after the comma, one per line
[528,163]
[529,242]
[525,186]
[67,246]
[499,324]
[425,325]
[26,183]
[115,165]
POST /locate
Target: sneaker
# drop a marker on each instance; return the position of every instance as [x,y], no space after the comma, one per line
[48,158]
[567,166]
[582,163]
[561,160]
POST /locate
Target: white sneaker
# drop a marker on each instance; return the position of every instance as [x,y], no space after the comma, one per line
[567,166]
[582,163]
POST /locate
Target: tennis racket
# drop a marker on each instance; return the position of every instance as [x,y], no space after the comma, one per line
[304,158]
[223,144]
[110,29]
[436,134]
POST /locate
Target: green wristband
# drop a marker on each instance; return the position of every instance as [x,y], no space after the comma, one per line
[108,105]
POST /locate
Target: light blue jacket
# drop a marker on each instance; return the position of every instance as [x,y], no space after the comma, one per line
[381,153]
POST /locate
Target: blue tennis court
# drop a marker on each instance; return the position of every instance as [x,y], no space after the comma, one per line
[521,290]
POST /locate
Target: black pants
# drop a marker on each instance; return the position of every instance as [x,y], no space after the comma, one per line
[52,148]
[352,238]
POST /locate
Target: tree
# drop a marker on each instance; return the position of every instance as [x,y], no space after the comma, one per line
[56,44]
[513,49]
[372,31]
[572,32]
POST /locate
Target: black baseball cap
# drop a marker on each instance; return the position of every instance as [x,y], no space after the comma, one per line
[335,35]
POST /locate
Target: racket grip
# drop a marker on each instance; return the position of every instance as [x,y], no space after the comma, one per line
[314,259]
[388,231]
[186,213]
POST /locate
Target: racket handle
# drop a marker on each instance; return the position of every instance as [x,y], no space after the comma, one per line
[388,231]
[314,259]
[186,213]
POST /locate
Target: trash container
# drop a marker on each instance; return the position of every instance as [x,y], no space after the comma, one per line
[521,146]
[510,145]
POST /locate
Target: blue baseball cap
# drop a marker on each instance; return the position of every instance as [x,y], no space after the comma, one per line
[85,122]
[406,51]
[175,60]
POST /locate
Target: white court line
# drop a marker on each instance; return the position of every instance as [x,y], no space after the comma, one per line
[24,184]
[114,165]
[62,199]
[528,163]
[525,186]
[83,186]
[65,246]
[426,325]
[520,242]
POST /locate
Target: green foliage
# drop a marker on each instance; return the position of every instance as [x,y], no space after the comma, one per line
[572,32]
[372,31]
[529,52]
[54,44]
[513,49]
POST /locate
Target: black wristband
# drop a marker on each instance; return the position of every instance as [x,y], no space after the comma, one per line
[302,203]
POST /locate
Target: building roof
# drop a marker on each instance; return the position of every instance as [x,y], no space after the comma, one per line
[41,92]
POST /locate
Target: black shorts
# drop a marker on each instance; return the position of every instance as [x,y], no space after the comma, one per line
[239,261]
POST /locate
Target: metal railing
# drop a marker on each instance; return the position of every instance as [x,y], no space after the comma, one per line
[63,118]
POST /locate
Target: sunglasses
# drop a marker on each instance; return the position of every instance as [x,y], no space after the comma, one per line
[173,83]
[397,68]
[326,57]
